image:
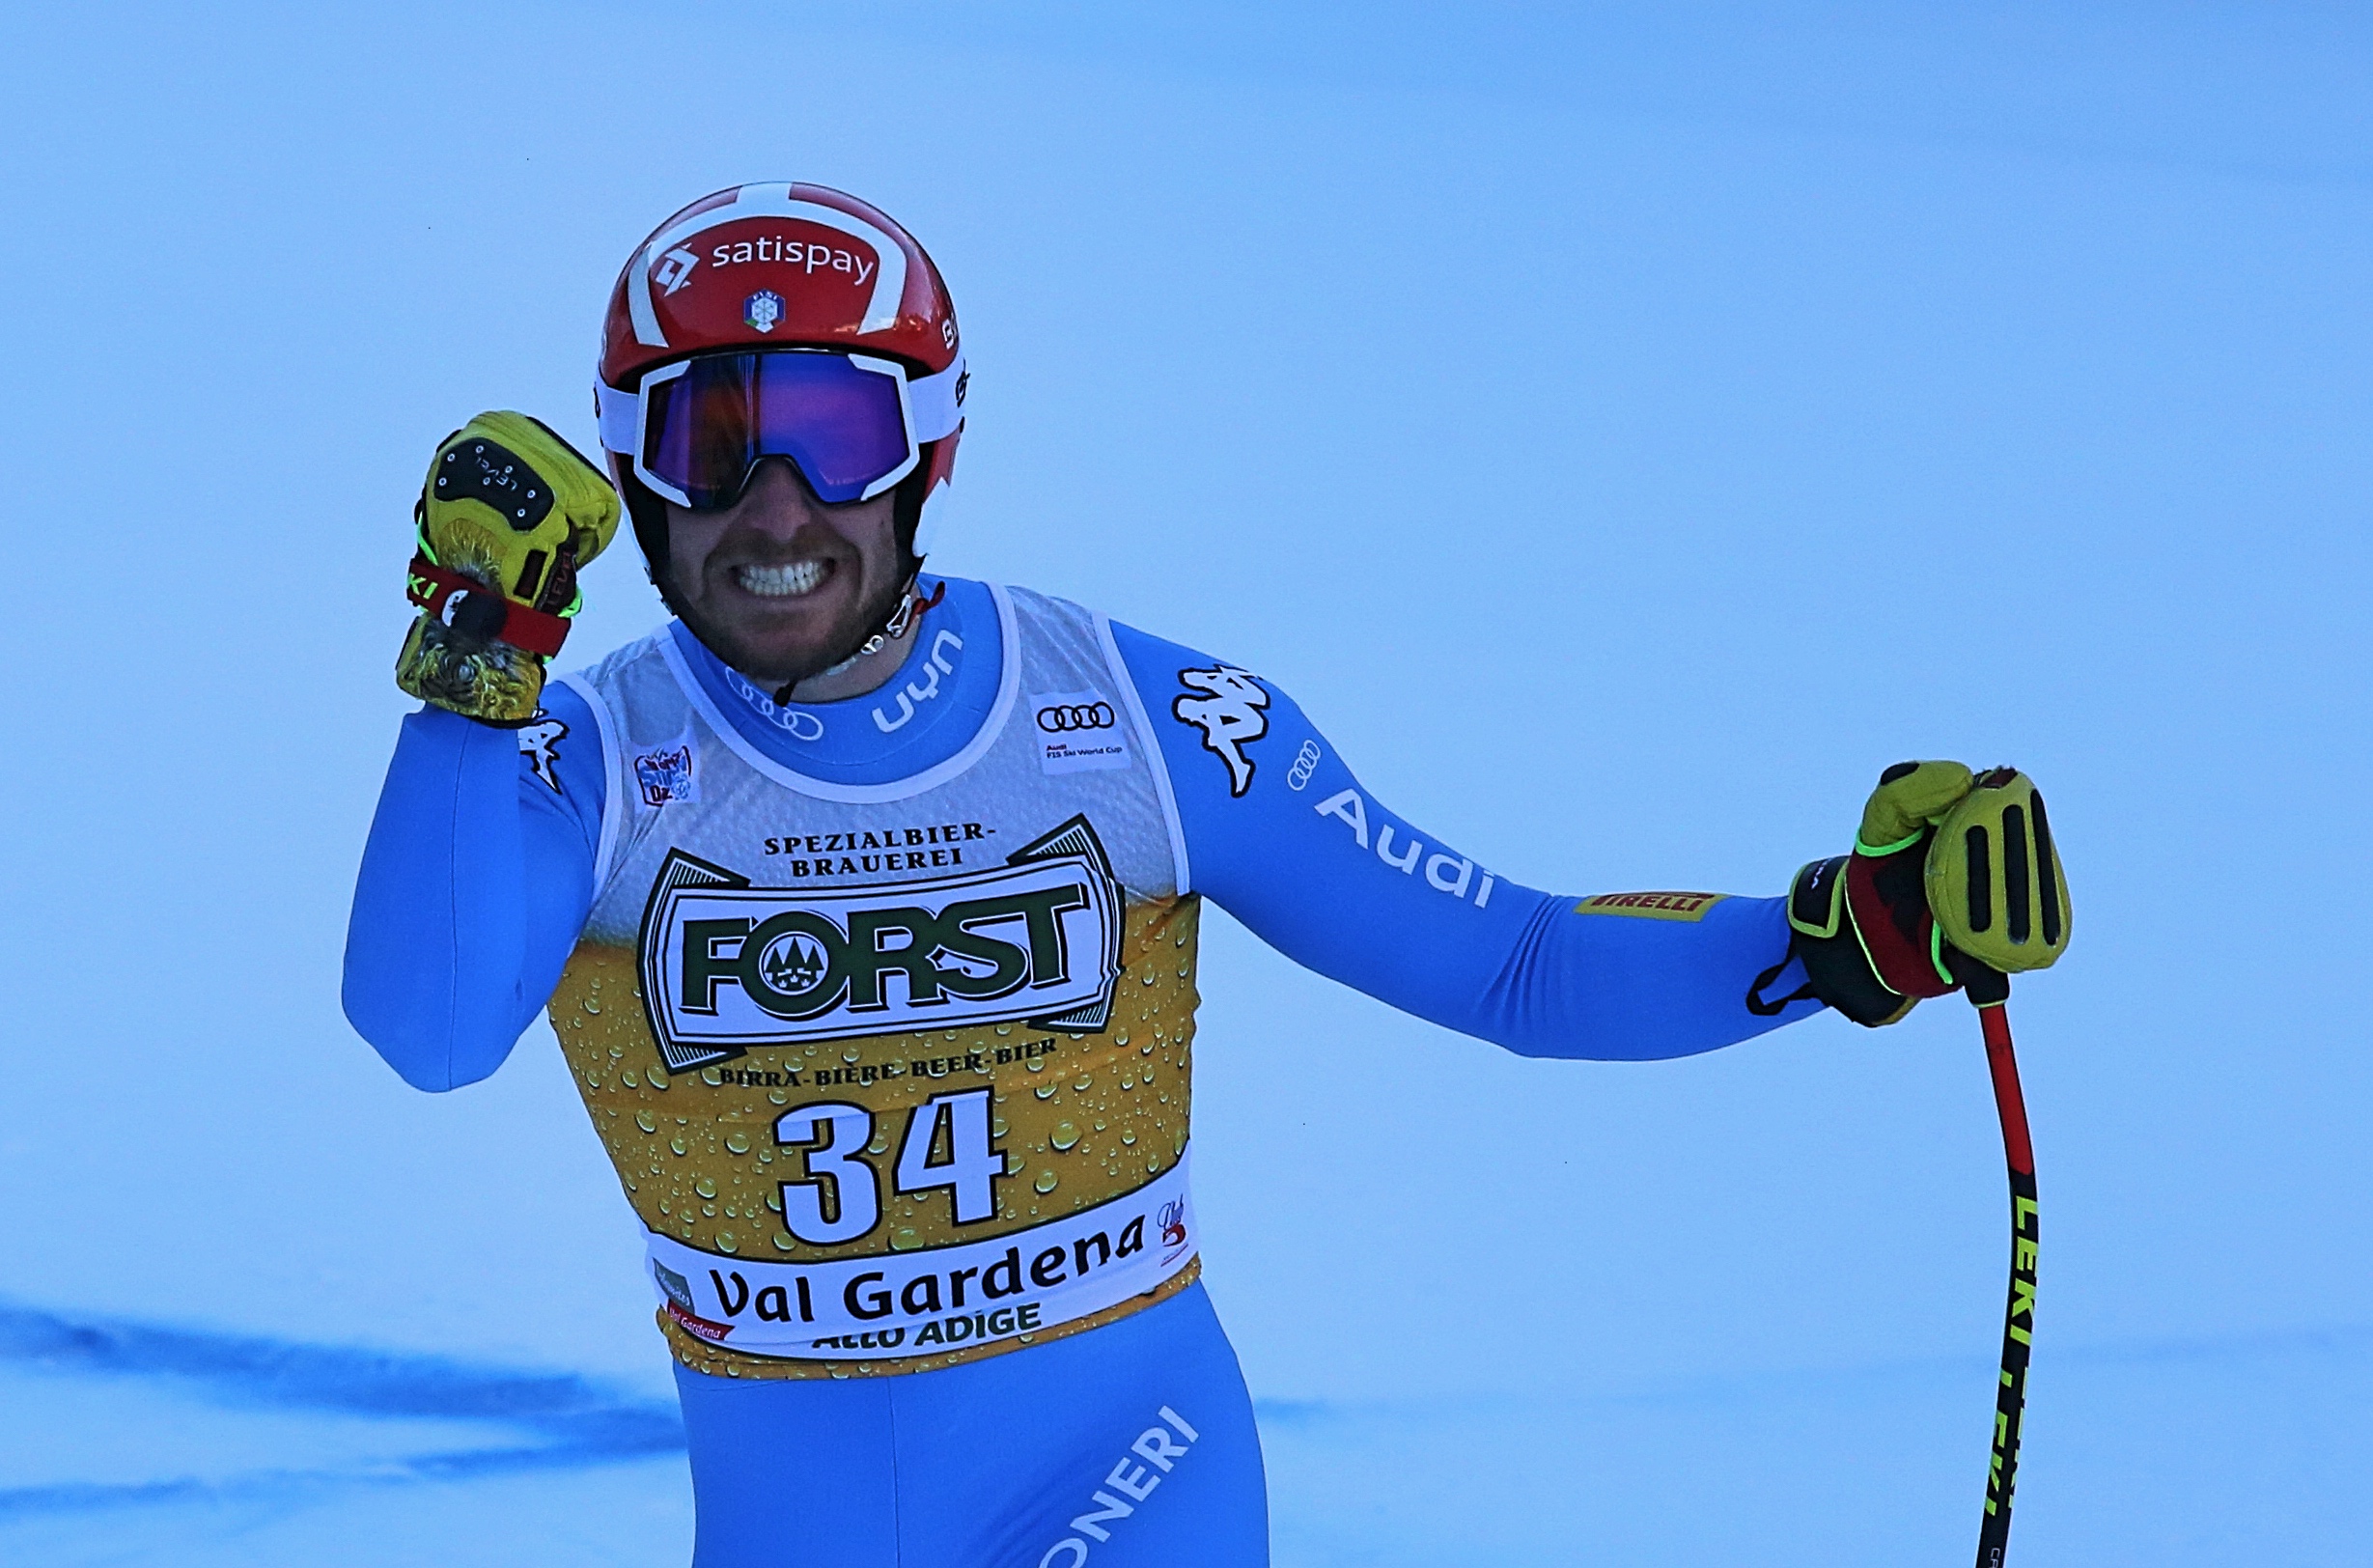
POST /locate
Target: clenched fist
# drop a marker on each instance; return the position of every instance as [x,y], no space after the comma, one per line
[1954,881]
[508,514]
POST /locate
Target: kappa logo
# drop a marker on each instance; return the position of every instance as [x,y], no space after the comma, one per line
[727,966]
[538,740]
[1230,714]
[668,774]
[761,310]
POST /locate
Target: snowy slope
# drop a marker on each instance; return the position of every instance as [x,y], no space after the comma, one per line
[268,1451]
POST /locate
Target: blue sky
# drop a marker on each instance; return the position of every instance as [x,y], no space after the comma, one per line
[1624,429]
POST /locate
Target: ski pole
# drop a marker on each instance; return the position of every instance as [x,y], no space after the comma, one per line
[1990,998]
[2000,901]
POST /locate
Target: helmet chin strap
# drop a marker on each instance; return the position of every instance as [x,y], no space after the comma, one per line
[910,603]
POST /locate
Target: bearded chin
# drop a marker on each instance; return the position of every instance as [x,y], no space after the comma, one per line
[778,675]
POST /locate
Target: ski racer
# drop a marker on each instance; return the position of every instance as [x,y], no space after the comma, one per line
[863,901]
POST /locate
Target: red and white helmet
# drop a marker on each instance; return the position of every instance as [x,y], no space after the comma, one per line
[784,266]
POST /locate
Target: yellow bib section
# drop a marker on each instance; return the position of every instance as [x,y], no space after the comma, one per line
[1077,1120]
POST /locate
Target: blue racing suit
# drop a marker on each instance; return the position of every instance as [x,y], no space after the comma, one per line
[1131,1441]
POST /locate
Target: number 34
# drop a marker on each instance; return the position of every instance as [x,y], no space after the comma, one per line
[840,1199]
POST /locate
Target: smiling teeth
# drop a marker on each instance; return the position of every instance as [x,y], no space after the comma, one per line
[780,581]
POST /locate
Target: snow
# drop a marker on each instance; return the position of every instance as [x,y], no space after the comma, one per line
[130,1445]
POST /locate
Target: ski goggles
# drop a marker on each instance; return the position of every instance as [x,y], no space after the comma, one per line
[855,424]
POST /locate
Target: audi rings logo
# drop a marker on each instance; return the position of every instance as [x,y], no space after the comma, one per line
[1059,716]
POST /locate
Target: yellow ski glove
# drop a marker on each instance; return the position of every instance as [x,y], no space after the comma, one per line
[1994,877]
[508,514]
[1953,881]
[1911,797]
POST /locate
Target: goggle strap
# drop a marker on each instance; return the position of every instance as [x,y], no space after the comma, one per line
[619,412]
[937,403]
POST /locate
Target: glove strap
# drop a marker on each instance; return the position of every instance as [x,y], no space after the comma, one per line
[436,590]
[1910,962]
[1836,968]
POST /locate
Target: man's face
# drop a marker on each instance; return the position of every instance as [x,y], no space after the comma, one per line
[781,585]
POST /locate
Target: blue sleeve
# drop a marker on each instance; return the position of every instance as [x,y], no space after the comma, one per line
[1280,835]
[475,883]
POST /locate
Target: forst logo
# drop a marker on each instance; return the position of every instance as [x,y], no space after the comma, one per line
[800,963]
[792,962]
[728,966]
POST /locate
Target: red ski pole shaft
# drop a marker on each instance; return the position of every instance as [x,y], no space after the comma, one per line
[2018,1316]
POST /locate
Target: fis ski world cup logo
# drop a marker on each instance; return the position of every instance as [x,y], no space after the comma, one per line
[1079,731]
[761,310]
[726,966]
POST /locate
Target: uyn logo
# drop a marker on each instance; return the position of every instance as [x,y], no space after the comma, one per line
[727,966]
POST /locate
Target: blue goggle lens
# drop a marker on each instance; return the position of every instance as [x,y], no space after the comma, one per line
[843,424]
